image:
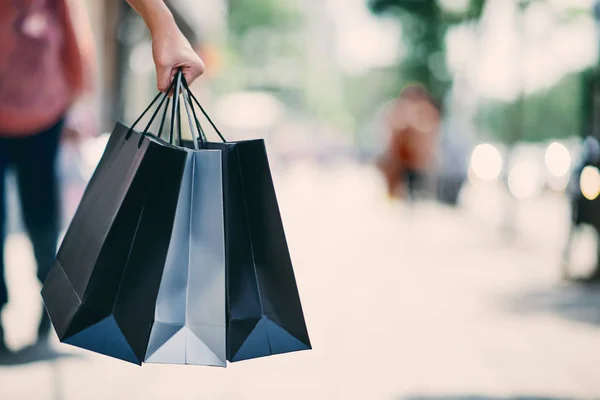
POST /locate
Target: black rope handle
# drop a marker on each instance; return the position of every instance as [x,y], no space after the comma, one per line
[179,82]
[191,95]
[191,123]
[130,130]
[179,136]
[162,121]
[189,115]
[145,132]
[208,118]
[201,135]
[165,96]
[181,87]
[175,108]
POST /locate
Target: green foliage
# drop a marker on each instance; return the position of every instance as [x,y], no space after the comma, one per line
[425,24]
[551,113]
[421,7]
[365,96]
[262,38]
[558,112]
[472,13]
[246,15]
[427,9]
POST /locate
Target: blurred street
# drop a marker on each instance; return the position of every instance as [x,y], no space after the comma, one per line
[425,302]
[489,109]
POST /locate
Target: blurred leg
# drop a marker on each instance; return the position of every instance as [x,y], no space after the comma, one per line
[3,165]
[4,152]
[412,184]
[35,163]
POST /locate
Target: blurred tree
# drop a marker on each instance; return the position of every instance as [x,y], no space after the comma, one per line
[425,23]
[260,42]
[566,109]
[590,94]
[550,113]
[246,15]
[555,112]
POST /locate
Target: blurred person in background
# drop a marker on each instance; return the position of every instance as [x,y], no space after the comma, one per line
[46,63]
[584,211]
[412,123]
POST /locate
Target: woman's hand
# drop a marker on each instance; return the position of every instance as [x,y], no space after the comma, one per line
[170,49]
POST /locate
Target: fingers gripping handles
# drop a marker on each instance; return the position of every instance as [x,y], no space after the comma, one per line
[179,88]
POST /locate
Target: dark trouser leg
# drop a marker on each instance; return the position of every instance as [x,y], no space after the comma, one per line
[35,163]
[413,181]
[4,161]
[3,166]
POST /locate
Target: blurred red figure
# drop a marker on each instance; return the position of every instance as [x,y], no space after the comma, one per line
[45,64]
[411,123]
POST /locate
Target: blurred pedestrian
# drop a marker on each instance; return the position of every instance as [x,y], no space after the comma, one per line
[412,122]
[45,64]
[583,211]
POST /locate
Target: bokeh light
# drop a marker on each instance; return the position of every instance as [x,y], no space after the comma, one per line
[486,162]
[558,183]
[589,182]
[524,180]
[558,159]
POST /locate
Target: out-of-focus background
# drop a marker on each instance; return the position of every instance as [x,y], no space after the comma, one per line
[481,286]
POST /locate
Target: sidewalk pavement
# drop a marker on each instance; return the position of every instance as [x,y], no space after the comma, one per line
[428,303]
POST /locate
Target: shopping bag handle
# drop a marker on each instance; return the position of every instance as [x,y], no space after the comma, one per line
[165,96]
[176,87]
[201,134]
[175,111]
[179,86]
[191,96]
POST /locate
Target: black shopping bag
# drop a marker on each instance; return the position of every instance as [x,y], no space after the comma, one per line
[264,312]
[149,226]
[101,291]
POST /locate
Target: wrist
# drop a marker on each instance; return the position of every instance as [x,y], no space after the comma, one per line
[162,22]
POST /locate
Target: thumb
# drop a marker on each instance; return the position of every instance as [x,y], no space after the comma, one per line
[164,77]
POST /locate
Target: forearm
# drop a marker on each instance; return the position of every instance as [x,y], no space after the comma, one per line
[156,15]
[170,49]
